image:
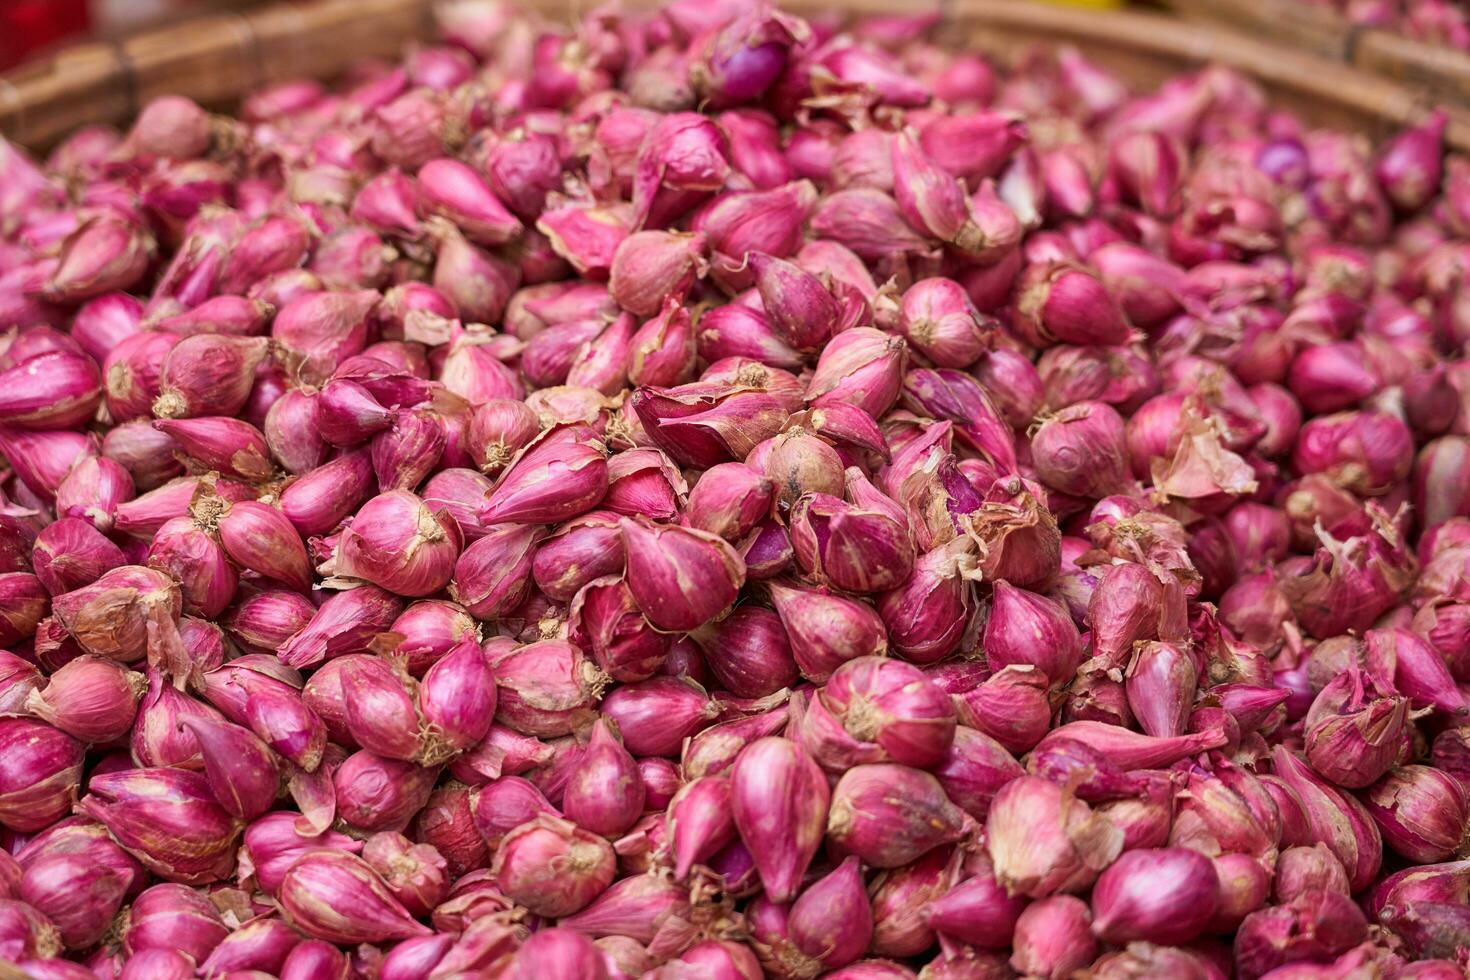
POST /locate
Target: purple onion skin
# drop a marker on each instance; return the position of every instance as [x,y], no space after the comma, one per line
[1166,895]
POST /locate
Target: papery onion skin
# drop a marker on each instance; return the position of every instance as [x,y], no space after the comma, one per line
[34,795]
[780,804]
[1124,892]
[335,896]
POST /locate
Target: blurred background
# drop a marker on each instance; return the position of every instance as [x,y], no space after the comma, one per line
[29,28]
[33,27]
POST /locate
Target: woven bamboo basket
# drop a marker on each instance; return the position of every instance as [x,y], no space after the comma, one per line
[1442,73]
[218,58]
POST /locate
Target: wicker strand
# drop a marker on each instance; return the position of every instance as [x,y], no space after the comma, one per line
[219,58]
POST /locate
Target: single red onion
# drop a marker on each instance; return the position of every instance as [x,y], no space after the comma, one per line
[894,705]
[261,944]
[1332,817]
[1418,809]
[656,716]
[1028,629]
[91,699]
[1053,936]
[605,794]
[581,550]
[1033,841]
[546,689]
[493,575]
[831,921]
[680,577]
[414,873]
[397,542]
[242,772]
[373,792]
[1315,925]
[826,630]
[779,798]
[175,918]
[344,623]
[870,822]
[749,653]
[456,700]
[42,786]
[168,819]
[1167,895]
[336,896]
[552,866]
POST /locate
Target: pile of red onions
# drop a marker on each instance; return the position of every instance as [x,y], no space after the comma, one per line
[710,495]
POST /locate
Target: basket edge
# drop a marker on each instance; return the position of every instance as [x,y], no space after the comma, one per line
[41,104]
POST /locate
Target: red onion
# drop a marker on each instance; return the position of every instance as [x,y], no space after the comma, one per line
[79,895]
[831,921]
[1166,896]
[91,699]
[1332,817]
[1034,844]
[18,678]
[552,866]
[894,705]
[397,542]
[261,944]
[1053,936]
[1131,750]
[492,575]
[456,700]
[583,549]
[273,843]
[700,822]
[344,623]
[656,715]
[749,654]
[1418,809]
[168,818]
[927,615]
[866,820]
[42,790]
[431,628]
[208,374]
[313,958]
[1011,707]
[546,689]
[605,617]
[1080,450]
[605,794]
[715,749]
[380,709]
[1028,629]
[826,630]
[661,779]
[414,873]
[191,554]
[1299,869]
[680,577]
[1315,925]
[557,476]
[336,896]
[242,772]
[780,801]
[504,804]
[176,918]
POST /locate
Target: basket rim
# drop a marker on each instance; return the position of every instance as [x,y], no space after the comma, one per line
[229,54]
